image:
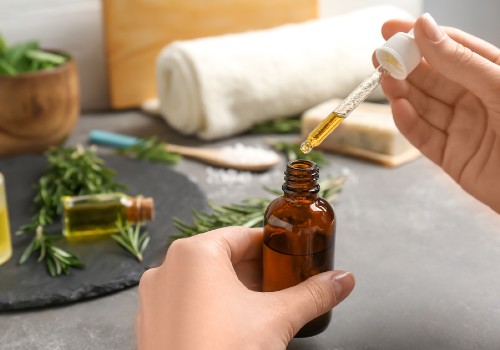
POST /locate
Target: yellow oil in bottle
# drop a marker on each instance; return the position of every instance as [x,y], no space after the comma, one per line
[92,216]
[5,243]
[5,240]
[93,219]
[330,123]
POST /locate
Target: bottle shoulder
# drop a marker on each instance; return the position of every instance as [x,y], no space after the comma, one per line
[282,206]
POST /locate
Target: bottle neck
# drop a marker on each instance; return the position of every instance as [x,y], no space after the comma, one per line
[140,209]
[301,180]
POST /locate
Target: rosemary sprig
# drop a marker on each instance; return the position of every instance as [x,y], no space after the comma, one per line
[151,149]
[249,213]
[278,126]
[58,260]
[293,152]
[131,238]
[71,171]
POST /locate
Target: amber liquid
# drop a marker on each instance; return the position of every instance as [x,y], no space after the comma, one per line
[286,270]
[298,243]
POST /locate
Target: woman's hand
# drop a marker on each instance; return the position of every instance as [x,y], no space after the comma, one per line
[204,296]
[449,106]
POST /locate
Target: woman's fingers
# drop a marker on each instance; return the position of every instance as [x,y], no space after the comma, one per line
[315,296]
[456,62]
[479,46]
[238,243]
[434,111]
[428,139]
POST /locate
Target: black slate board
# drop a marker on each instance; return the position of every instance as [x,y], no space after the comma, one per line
[109,268]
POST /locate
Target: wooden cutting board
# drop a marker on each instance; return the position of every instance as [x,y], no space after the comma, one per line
[136,30]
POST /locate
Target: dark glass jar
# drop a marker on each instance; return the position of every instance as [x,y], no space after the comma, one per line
[299,236]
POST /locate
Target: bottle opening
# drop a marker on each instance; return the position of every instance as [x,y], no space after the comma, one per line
[302,164]
[300,177]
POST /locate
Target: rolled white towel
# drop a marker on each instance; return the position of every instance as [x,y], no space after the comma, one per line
[220,86]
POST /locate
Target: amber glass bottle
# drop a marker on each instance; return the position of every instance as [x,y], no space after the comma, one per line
[98,214]
[299,236]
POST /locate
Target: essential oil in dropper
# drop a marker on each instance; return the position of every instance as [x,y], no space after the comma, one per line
[96,215]
[299,236]
[324,129]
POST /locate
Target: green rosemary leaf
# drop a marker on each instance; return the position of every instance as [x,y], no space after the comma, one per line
[249,212]
[51,267]
[56,259]
[6,68]
[43,251]
[3,45]
[143,242]
[123,242]
[46,57]
[131,238]
[253,222]
[278,126]
[28,251]
[151,149]
[330,188]
[293,152]
[26,57]
[57,263]
[60,253]
[272,191]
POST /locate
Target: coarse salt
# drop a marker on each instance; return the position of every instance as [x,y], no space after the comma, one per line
[248,155]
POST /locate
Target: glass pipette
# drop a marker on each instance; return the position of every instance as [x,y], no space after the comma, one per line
[336,117]
[397,57]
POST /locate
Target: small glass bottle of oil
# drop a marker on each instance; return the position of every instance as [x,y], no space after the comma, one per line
[299,236]
[5,240]
[96,215]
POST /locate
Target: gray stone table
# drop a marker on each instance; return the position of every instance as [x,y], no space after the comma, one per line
[426,257]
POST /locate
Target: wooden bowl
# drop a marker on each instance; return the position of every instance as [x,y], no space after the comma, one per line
[39,109]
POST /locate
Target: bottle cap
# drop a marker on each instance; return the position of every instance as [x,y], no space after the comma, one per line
[399,55]
[142,209]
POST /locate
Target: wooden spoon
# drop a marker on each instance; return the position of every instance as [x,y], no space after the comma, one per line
[237,157]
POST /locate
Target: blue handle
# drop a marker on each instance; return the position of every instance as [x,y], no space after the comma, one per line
[111,139]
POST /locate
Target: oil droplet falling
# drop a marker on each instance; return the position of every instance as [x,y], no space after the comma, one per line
[306,147]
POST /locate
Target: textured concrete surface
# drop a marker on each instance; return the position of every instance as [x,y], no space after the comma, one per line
[425,256]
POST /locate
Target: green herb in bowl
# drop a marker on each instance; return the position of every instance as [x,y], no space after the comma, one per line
[26,57]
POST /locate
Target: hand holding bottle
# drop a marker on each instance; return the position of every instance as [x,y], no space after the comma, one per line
[449,108]
[205,296]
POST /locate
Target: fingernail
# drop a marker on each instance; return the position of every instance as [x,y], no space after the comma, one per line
[343,282]
[431,28]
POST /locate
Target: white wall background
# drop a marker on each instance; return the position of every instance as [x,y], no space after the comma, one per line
[334,7]
[71,25]
[75,26]
[479,17]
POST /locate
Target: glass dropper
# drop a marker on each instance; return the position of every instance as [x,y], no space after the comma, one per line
[336,117]
[397,57]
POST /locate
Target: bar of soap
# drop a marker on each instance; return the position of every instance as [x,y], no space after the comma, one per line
[369,132]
